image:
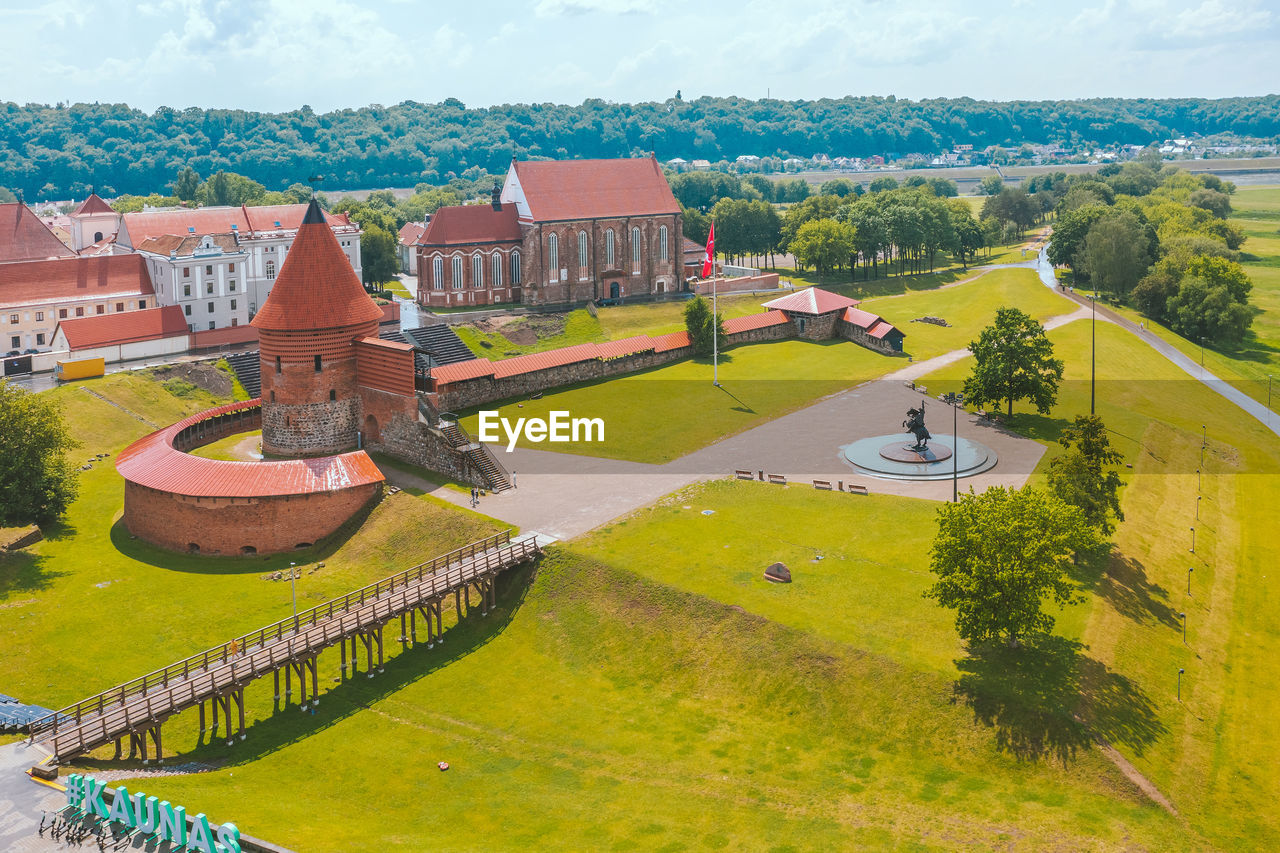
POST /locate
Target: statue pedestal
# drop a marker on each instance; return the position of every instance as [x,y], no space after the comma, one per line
[908,453]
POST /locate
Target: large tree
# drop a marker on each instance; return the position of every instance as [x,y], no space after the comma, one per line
[1013,360]
[1000,555]
[824,244]
[1116,253]
[1085,476]
[36,480]
[379,262]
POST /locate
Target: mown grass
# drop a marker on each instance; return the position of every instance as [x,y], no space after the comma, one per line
[230,448]
[661,414]
[1212,760]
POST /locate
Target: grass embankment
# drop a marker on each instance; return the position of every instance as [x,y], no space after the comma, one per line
[662,414]
[1210,755]
[89,606]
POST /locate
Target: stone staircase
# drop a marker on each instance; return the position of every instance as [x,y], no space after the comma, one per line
[248,369]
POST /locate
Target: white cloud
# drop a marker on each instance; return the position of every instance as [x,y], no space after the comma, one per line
[556,8]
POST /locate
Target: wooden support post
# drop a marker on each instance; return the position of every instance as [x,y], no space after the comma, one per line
[342,644]
[404,629]
[214,728]
[368,650]
[155,734]
[276,673]
[201,718]
[119,747]
[466,594]
[226,699]
[240,702]
[413,626]
[315,680]
[457,603]
[288,682]
[440,621]
[380,658]
[142,743]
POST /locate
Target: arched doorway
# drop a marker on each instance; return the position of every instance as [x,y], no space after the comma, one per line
[372,435]
[615,290]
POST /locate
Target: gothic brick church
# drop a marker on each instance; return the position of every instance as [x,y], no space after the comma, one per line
[556,232]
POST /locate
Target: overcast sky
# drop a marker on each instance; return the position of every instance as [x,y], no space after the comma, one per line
[280,54]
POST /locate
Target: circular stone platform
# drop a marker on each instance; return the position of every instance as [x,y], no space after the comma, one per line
[899,452]
[890,457]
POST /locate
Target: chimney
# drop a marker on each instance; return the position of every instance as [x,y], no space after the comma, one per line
[497,197]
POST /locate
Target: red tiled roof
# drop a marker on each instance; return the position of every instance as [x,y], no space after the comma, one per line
[811,300]
[185,244]
[105,246]
[462,371]
[861,319]
[205,220]
[693,247]
[558,190]
[880,329]
[472,223]
[543,360]
[92,204]
[626,346]
[289,216]
[73,278]
[23,237]
[411,233]
[754,321]
[154,462]
[125,327]
[316,288]
[675,340]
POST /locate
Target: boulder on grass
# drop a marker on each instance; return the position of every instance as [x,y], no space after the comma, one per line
[777,573]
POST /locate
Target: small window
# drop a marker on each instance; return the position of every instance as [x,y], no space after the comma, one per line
[608,248]
[662,243]
[62,313]
[186,309]
[142,303]
[119,307]
[233,305]
[582,253]
[495,270]
[456,270]
[234,322]
[317,364]
[208,269]
[208,288]
[231,267]
[277,364]
[40,338]
[271,270]
[212,325]
[15,342]
[273,396]
[515,268]
[80,311]
[231,286]
[333,395]
[635,247]
[186,290]
[13,319]
[553,255]
[186,272]
[99,309]
[437,273]
[477,270]
[210,307]
[39,316]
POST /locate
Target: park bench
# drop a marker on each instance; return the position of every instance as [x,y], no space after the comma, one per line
[822,484]
[777,479]
[855,489]
[743,475]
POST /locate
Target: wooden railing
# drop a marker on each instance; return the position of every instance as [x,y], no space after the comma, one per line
[221,654]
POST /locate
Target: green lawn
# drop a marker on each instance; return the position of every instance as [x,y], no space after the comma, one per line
[661,414]
[1212,759]
[397,287]
[233,447]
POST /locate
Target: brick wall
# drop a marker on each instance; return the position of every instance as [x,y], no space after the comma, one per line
[225,526]
[818,328]
[379,408]
[458,396]
[542,284]
[310,429]
[471,292]
[859,336]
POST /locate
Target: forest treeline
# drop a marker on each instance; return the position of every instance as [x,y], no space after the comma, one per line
[63,150]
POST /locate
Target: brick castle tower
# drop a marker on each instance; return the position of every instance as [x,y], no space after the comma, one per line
[307,330]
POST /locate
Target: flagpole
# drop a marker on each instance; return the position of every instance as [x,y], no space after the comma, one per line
[715,336]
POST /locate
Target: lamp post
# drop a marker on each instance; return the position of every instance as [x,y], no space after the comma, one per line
[1093,350]
[1190,569]
[1193,540]
[1180,671]
[955,400]
[1198,499]
[1184,627]
[293,592]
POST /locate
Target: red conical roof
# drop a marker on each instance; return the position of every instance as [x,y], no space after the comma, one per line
[316,287]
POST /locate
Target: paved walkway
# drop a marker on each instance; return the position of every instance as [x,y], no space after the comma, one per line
[22,800]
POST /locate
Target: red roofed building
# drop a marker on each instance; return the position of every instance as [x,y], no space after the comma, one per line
[36,295]
[558,231]
[814,311]
[23,237]
[92,222]
[120,337]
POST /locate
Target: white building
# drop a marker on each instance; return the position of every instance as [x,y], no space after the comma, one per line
[205,276]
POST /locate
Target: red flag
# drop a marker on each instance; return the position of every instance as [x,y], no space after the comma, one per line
[709,262]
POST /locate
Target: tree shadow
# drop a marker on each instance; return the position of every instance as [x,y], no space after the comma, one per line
[22,572]
[1048,700]
[1123,583]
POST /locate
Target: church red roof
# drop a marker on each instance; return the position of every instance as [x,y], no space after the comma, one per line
[558,190]
[316,288]
[23,237]
[93,204]
[472,223]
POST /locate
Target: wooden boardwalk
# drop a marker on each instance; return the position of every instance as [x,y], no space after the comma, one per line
[216,678]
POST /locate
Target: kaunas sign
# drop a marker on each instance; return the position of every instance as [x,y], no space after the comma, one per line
[149,816]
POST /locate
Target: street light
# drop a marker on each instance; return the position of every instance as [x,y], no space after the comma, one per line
[1184,627]
[1093,350]
[1193,540]
[1190,569]
[1180,671]
[294,593]
[955,400]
